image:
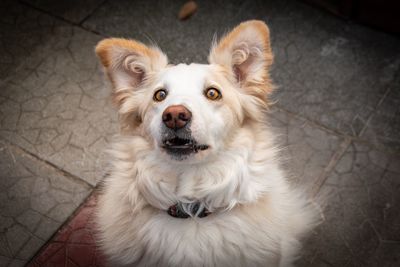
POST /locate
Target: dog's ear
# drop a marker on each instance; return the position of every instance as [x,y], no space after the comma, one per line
[128,64]
[246,54]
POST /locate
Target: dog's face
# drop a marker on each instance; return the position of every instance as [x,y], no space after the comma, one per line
[188,112]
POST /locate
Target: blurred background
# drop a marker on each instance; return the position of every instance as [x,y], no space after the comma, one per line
[336,112]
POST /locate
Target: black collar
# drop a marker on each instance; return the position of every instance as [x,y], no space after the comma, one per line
[177,211]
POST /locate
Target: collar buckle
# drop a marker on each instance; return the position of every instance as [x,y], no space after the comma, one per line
[179,211]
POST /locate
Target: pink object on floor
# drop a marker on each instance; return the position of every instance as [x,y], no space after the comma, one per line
[74,244]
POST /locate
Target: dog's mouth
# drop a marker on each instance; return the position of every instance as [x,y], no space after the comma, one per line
[180,146]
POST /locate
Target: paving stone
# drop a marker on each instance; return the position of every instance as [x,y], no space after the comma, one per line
[5,250]
[4,261]
[5,222]
[47,227]
[30,219]
[329,70]
[24,33]
[43,203]
[59,211]
[30,248]
[387,254]
[26,218]
[75,243]
[65,115]
[16,237]
[75,11]
[21,189]
[362,221]
[305,149]
[17,263]
[13,207]
[384,126]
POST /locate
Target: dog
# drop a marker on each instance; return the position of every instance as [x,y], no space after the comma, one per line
[195,178]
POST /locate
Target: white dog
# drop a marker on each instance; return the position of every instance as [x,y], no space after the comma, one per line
[195,177]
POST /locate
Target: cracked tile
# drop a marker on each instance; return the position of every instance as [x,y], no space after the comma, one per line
[4,261]
[32,245]
[384,126]
[74,243]
[362,222]
[24,33]
[17,263]
[65,108]
[29,219]
[75,11]
[27,210]
[16,237]
[47,227]
[306,149]
[330,71]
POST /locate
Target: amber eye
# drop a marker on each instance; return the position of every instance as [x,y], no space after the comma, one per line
[213,94]
[160,95]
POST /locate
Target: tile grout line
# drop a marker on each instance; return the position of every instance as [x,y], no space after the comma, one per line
[47,163]
[320,181]
[388,90]
[60,18]
[64,224]
[315,123]
[91,13]
[336,132]
[22,65]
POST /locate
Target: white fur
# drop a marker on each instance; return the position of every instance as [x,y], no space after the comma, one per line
[257,218]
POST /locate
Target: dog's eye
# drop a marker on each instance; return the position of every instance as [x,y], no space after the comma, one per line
[160,95]
[213,94]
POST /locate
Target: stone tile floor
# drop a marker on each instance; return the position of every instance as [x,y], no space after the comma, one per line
[74,244]
[337,116]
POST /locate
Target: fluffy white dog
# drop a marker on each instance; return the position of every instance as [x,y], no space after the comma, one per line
[195,177]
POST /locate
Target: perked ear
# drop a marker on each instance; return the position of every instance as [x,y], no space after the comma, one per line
[128,64]
[246,54]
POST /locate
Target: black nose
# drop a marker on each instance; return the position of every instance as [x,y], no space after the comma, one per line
[176,117]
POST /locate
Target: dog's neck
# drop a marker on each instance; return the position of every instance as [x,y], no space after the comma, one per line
[237,175]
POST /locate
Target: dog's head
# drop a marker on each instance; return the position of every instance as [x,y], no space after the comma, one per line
[189,112]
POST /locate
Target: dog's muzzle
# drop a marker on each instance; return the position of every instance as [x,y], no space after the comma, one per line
[177,138]
[177,145]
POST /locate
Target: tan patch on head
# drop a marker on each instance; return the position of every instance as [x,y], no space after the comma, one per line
[128,64]
[258,25]
[246,53]
[105,48]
